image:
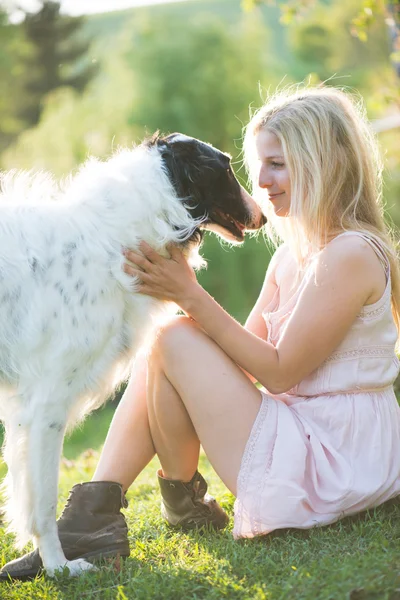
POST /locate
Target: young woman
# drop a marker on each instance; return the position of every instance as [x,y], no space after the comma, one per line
[322,439]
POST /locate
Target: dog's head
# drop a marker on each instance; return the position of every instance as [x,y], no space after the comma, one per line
[202,176]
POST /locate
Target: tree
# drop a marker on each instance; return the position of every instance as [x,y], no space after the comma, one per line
[199,79]
[324,45]
[13,45]
[359,25]
[393,22]
[57,58]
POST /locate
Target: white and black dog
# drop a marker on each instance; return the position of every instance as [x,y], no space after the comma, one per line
[70,320]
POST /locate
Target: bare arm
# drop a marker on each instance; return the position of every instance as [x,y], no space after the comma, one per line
[326,308]
[255,322]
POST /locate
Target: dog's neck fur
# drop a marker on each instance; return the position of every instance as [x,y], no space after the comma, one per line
[152,211]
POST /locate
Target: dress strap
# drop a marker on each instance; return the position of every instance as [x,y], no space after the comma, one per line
[375,245]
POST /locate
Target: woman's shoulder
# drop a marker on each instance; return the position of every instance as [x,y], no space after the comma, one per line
[351,247]
[280,258]
[347,241]
[349,257]
[280,253]
[348,251]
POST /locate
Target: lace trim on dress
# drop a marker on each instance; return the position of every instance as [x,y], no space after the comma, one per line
[372,311]
[375,310]
[369,315]
[364,352]
[255,525]
[244,470]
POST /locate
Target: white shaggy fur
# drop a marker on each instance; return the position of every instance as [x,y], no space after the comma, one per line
[69,322]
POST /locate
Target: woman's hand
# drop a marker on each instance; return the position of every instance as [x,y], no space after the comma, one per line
[171,279]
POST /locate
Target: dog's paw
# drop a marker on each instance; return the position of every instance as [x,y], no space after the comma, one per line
[73,568]
[79,566]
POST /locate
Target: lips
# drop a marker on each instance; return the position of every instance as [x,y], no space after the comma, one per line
[275,195]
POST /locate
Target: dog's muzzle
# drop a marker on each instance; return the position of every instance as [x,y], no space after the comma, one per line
[257,219]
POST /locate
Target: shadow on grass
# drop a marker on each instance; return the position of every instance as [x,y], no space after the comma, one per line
[170,564]
[318,548]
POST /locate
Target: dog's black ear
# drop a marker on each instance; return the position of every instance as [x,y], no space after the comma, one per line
[166,154]
[170,137]
[152,141]
[180,156]
[173,168]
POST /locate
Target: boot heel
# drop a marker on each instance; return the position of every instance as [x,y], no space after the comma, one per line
[188,506]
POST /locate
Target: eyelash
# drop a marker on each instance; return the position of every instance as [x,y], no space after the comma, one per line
[277,165]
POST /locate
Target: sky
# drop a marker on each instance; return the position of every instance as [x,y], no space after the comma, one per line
[79,7]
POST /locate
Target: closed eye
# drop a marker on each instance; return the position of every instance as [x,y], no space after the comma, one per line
[277,165]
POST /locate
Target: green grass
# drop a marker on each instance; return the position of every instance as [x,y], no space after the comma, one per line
[356,559]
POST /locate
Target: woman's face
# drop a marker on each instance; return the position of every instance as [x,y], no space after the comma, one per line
[273,174]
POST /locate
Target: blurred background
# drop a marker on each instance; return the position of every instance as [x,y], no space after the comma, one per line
[74,83]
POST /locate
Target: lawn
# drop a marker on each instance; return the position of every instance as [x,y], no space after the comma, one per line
[355,559]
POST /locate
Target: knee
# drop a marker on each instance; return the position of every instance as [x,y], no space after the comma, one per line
[174,335]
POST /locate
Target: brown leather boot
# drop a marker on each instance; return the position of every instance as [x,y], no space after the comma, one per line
[188,506]
[91,526]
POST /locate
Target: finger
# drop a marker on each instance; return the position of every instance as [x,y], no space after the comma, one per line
[137,259]
[134,272]
[129,270]
[175,252]
[150,253]
[147,291]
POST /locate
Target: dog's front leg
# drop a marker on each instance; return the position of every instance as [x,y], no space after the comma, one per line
[46,434]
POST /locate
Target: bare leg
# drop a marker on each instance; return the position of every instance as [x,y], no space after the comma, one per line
[195,391]
[174,436]
[128,447]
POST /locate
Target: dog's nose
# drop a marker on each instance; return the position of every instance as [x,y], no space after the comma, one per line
[258,222]
[258,219]
[263,220]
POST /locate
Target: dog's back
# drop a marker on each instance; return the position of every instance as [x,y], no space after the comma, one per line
[67,318]
[53,287]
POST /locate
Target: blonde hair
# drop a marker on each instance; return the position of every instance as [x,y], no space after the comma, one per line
[335,172]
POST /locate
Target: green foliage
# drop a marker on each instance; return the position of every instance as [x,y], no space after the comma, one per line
[291,10]
[365,18]
[367,13]
[234,276]
[55,52]
[182,87]
[325,43]
[73,126]
[13,47]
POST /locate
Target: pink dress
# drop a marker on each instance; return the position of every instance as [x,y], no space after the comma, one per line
[330,446]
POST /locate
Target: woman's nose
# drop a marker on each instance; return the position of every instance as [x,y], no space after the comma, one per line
[264,178]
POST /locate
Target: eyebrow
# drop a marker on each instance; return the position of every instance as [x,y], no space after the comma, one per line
[275,156]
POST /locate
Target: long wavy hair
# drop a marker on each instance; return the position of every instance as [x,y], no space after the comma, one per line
[335,172]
